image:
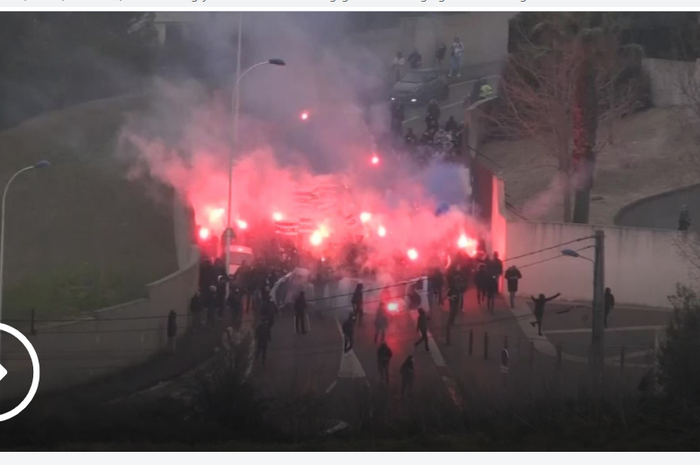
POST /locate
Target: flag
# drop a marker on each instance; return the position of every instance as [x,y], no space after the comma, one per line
[306,226]
[287,228]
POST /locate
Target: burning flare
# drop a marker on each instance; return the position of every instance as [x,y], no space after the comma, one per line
[365,217]
[242,224]
[412,254]
[381,231]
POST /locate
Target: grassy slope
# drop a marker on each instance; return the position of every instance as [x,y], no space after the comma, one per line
[80,236]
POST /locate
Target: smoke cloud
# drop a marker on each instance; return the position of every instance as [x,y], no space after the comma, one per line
[184,140]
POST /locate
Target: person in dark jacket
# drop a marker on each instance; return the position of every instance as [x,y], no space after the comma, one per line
[435,283]
[300,313]
[512,276]
[422,328]
[415,60]
[540,302]
[172,331]
[235,304]
[268,311]
[221,295]
[196,309]
[432,118]
[408,375]
[481,280]
[211,304]
[358,303]
[684,219]
[349,333]
[263,336]
[453,296]
[381,323]
[440,51]
[609,303]
[496,266]
[491,292]
[384,355]
[452,126]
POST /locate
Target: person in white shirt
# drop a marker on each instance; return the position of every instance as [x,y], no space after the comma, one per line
[399,63]
[456,52]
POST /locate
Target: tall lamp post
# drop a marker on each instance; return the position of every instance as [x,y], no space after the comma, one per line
[41,164]
[598,321]
[228,234]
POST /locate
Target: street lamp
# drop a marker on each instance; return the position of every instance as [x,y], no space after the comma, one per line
[598,321]
[228,234]
[41,164]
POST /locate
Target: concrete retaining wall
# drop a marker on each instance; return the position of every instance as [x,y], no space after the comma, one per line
[671,81]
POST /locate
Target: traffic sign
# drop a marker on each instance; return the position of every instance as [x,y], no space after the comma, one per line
[504,361]
[34,386]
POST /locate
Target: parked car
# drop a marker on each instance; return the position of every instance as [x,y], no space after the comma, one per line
[419,86]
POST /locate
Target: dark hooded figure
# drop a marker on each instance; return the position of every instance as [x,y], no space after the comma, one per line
[481,280]
[358,303]
[211,304]
[408,375]
[540,302]
[384,355]
[415,60]
[349,333]
[172,331]
[454,298]
[684,219]
[496,266]
[609,303]
[263,336]
[512,276]
[422,328]
[452,126]
[300,313]
[432,119]
[221,295]
[235,303]
[435,284]
[491,292]
[381,323]
[268,311]
[196,309]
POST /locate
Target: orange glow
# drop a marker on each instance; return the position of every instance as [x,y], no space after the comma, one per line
[242,224]
[316,238]
[413,254]
[216,214]
[375,160]
[393,307]
[365,217]
[203,233]
[277,216]
[381,231]
[468,244]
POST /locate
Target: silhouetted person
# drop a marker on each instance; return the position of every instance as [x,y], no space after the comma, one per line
[540,302]
[268,311]
[684,219]
[491,292]
[235,303]
[381,323]
[435,284]
[300,313]
[481,280]
[349,333]
[496,267]
[415,60]
[221,295]
[384,355]
[263,336]
[440,51]
[452,126]
[408,375]
[196,309]
[609,303]
[172,331]
[432,118]
[211,304]
[422,328]
[358,303]
[512,276]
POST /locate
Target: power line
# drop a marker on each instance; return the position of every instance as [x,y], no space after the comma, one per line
[549,248]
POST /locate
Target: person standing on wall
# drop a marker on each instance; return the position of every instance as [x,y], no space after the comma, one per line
[172,331]
[609,303]
[512,276]
[358,303]
[456,52]
[440,51]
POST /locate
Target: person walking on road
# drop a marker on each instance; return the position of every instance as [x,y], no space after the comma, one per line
[491,291]
[268,311]
[358,303]
[684,219]
[348,333]
[172,331]
[440,51]
[456,52]
[496,268]
[512,276]
[300,313]
[263,336]
[211,303]
[196,310]
[540,302]
[381,322]
[454,298]
[408,375]
[609,303]
[384,355]
[422,328]
[481,279]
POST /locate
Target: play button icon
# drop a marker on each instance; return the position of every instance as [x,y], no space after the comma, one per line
[35,372]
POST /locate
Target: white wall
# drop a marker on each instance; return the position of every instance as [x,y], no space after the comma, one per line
[671,80]
[642,266]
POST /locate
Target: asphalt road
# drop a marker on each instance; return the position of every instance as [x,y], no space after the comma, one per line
[663,212]
[453,106]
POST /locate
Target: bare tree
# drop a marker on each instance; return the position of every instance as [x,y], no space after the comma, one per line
[561,85]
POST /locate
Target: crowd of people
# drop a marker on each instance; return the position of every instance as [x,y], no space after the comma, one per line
[415,59]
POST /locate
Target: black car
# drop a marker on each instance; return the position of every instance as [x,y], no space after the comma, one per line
[419,86]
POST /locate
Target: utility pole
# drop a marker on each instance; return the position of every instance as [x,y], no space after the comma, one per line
[598,321]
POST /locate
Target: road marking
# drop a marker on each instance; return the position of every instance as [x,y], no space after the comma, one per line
[330,388]
[617,329]
[3,372]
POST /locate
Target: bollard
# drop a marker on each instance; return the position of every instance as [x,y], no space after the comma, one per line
[471,342]
[559,351]
[505,342]
[532,354]
[32,330]
[622,358]
[486,346]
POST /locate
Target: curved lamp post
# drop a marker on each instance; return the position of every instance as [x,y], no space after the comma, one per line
[228,234]
[41,164]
